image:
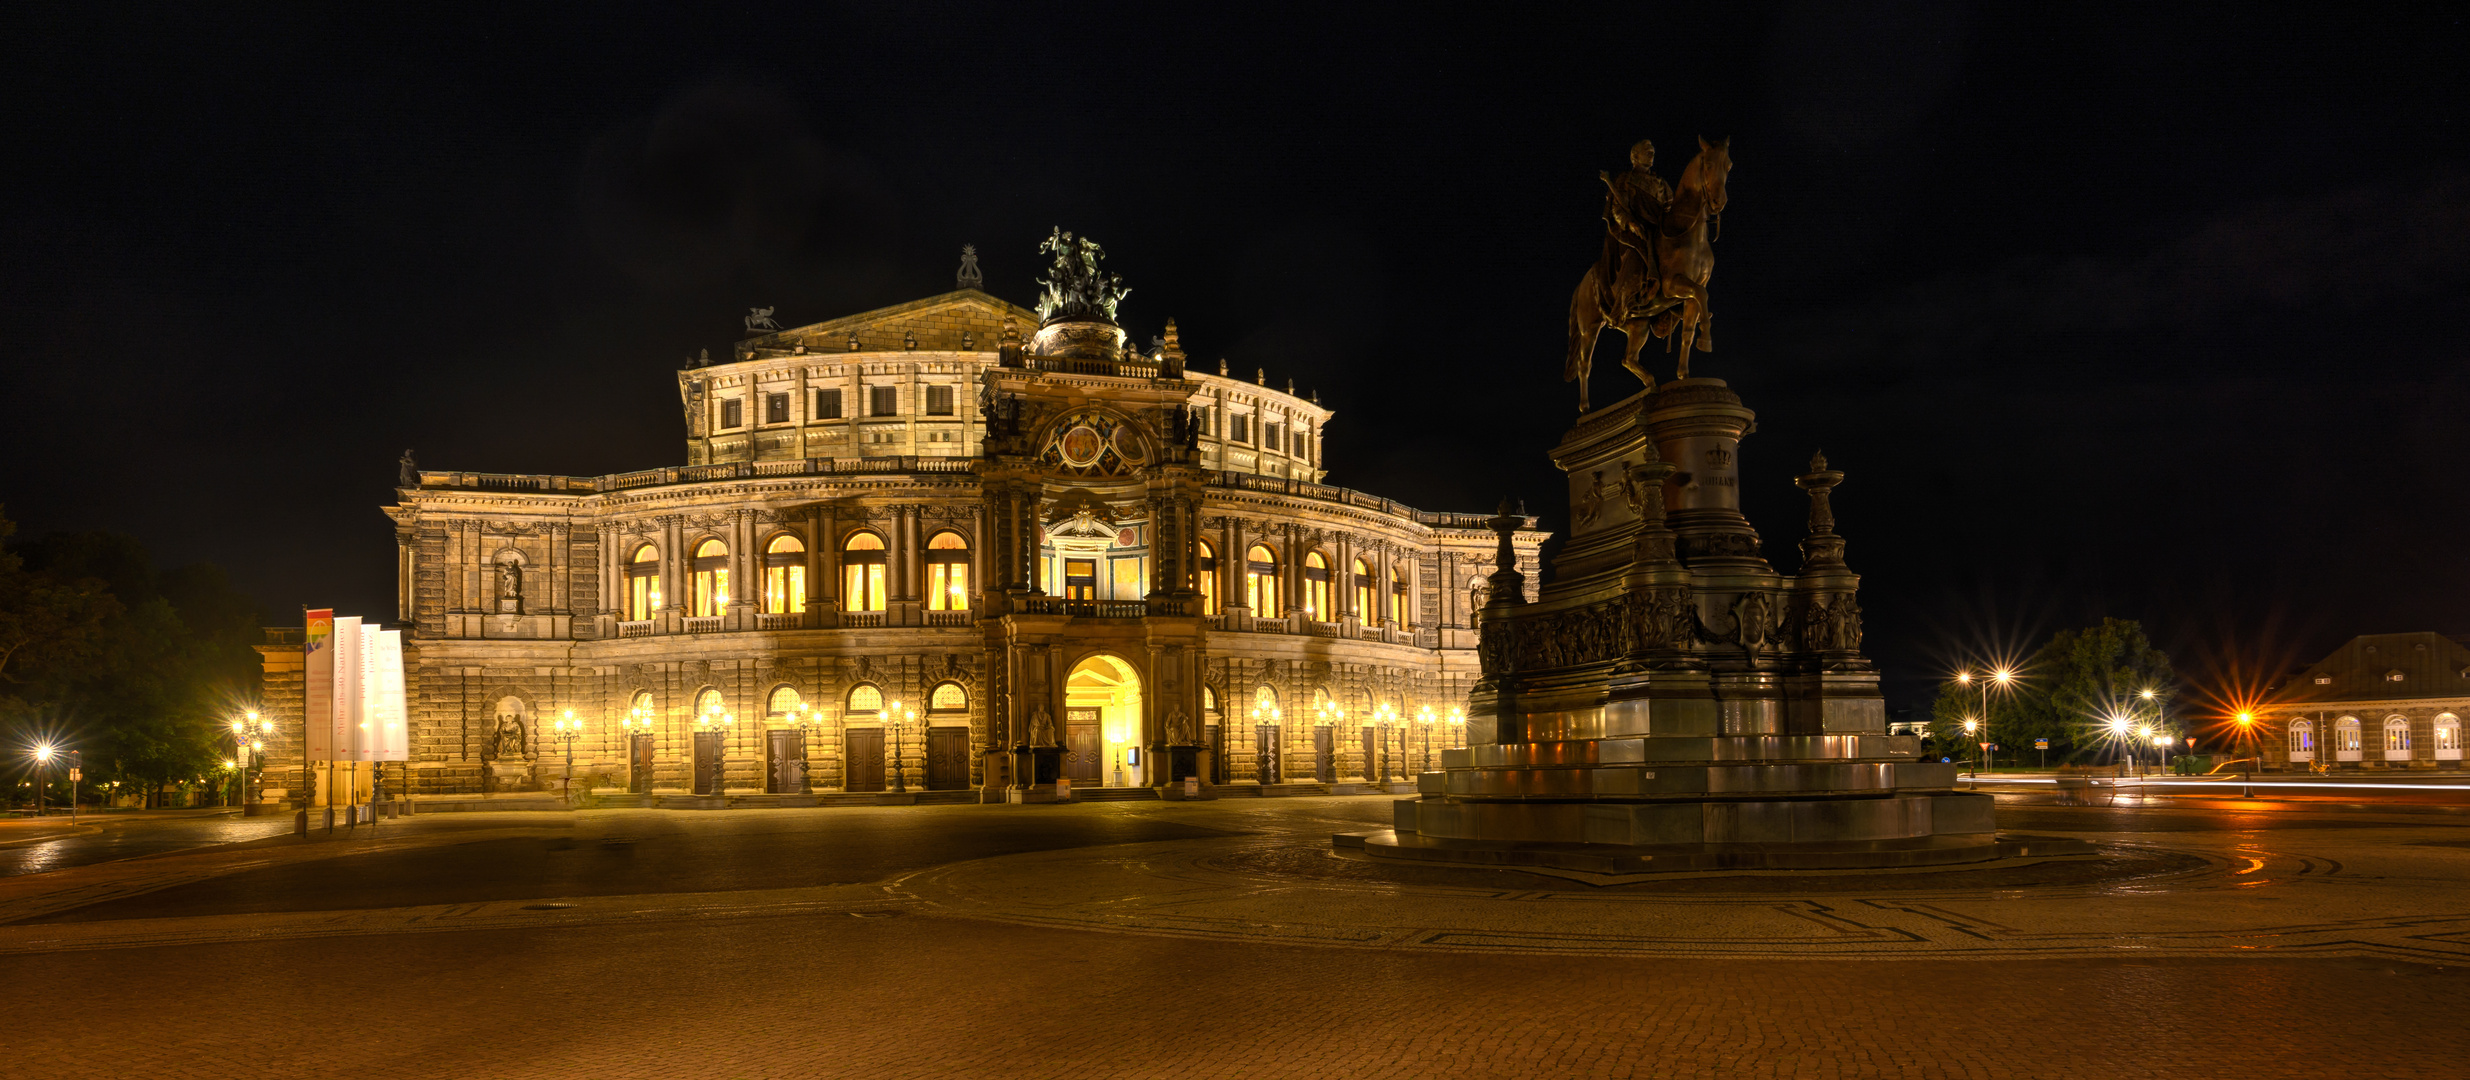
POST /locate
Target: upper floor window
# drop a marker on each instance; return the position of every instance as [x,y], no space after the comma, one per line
[1316,587]
[643,584]
[1261,582]
[1365,608]
[883,401]
[784,576]
[947,573]
[827,404]
[1239,427]
[1398,575]
[776,408]
[732,413]
[1273,436]
[707,590]
[938,401]
[862,563]
[1209,578]
[1080,579]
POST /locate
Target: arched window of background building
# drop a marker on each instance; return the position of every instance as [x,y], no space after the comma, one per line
[947,698]
[1261,582]
[784,576]
[2448,737]
[947,573]
[784,702]
[865,700]
[1209,579]
[2302,740]
[643,584]
[2346,742]
[1367,602]
[1316,587]
[1398,573]
[862,560]
[707,592]
[2397,736]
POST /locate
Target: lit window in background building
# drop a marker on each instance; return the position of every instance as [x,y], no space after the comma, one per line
[643,584]
[784,576]
[707,592]
[947,573]
[1261,582]
[862,563]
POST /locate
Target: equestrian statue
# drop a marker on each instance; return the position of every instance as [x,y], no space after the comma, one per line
[1650,277]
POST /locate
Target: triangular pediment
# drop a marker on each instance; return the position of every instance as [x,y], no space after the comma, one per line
[939,323]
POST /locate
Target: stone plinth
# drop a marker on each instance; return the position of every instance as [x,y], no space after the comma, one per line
[1672,701]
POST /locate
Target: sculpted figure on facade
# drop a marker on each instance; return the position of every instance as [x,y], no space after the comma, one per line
[1041,728]
[507,742]
[1075,287]
[1753,620]
[510,587]
[407,472]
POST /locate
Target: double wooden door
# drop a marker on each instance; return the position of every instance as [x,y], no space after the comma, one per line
[639,763]
[1084,753]
[1324,754]
[862,767]
[947,758]
[784,761]
[1372,753]
[708,779]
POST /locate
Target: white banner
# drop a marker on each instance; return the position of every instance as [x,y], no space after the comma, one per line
[384,734]
[318,655]
[355,691]
[343,724]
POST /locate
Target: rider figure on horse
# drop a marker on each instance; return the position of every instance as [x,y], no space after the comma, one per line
[1635,203]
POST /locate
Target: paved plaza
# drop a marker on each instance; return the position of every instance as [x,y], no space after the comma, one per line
[2209,937]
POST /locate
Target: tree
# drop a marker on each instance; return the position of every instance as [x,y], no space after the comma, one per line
[2066,692]
[47,622]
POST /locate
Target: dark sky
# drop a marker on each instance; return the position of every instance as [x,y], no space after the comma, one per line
[2150,311]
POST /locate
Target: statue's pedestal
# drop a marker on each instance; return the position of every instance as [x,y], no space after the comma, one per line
[1672,702]
[506,776]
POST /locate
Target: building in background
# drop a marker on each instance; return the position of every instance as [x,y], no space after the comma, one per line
[2383,701]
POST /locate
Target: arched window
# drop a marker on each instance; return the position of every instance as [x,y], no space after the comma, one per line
[639,712]
[784,576]
[2397,737]
[784,703]
[643,584]
[947,698]
[1316,587]
[1261,582]
[862,561]
[1209,579]
[1209,700]
[709,703]
[1398,575]
[865,701]
[1264,703]
[707,592]
[2302,740]
[2346,741]
[1367,607]
[947,573]
[2448,737]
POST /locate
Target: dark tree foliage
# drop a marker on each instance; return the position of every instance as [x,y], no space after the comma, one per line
[2067,692]
[137,668]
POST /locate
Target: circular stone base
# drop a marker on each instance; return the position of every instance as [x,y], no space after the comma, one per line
[1942,850]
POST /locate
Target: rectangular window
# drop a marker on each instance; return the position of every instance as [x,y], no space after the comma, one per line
[1127,574]
[1270,436]
[1080,579]
[938,401]
[732,413]
[1240,427]
[827,404]
[883,401]
[776,408]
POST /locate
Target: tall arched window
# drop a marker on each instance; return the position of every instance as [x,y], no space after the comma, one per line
[707,591]
[1261,582]
[1398,574]
[862,562]
[643,584]
[640,712]
[865,701]
[784,576]
[2302,740]
[783,704]
[2397,738]
[709,703]
[1264,701]
[947,698]
[2346,742]
[2448,737]
[1209,700]
[947,573]
[1316,587]
[1209,579]
[1367,595]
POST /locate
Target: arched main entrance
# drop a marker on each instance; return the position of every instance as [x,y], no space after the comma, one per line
[1102,723]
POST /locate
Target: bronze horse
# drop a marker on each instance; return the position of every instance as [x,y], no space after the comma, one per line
[1675,297]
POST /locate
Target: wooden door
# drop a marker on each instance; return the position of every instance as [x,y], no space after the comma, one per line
[1265,753]
[784,765]
[1324,754]
[708,779]
[639,763]
[1083,754]
[947,758]
[1372,753]
[862,768]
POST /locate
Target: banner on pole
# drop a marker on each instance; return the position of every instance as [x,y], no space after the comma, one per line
[318,653]
[355,691]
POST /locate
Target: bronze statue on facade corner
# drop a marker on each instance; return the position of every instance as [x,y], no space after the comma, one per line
[1650,276]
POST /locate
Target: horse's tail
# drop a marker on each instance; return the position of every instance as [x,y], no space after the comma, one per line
[1581,345]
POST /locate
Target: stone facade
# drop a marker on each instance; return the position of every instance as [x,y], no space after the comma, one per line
[2382,701]
[919,506]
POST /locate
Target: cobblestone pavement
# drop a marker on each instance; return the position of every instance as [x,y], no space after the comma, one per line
[1224,940]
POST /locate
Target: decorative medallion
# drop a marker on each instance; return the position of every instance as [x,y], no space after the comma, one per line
[1081,446]
[1092,442]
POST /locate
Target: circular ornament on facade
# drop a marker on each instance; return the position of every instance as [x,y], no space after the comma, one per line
[1128,445]
[1081,446]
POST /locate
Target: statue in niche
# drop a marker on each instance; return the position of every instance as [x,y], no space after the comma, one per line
[510,588]
[508,741]
[1179,729]
[1041,728]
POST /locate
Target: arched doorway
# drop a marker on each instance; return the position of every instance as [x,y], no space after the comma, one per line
[1102,723]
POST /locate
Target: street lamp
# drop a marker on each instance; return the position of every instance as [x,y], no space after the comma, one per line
[1971,727]
[1424,719]
[715,719]
[2164,742]
[42,763]
[638,717]
[890,718]
[567,729]
[1458,729]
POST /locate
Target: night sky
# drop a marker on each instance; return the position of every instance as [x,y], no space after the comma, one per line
[2148,312]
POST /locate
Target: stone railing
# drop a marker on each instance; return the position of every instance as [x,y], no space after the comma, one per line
[951,618]
[635,629]
[779,620]
[861,620]
[1281,485]
[702,624]
[1120,369]
[693,474]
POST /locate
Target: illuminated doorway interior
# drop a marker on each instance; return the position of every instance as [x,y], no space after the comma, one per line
[1102,724]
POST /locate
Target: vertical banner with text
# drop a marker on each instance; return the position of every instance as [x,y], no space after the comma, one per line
[318,718]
